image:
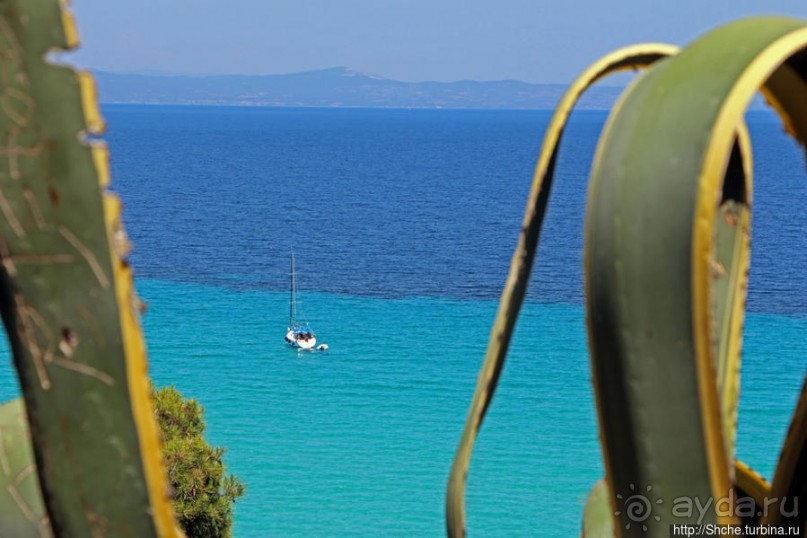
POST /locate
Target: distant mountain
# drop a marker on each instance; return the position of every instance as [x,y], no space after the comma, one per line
[336,87]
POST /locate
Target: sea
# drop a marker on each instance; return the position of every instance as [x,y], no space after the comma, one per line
[403,223]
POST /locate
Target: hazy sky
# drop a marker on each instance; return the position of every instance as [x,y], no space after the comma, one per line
[413,40]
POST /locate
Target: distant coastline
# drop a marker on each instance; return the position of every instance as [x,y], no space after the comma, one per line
[341,87]
[338,87]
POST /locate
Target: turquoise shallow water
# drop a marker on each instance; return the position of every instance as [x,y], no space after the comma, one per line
[357,441]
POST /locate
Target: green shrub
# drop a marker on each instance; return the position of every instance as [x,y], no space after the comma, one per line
[203,496]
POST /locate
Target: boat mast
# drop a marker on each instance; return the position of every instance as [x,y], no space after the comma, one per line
[292,293]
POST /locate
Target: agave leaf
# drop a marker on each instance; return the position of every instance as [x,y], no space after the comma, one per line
[67,299]
[635,57]
[732,259]
[598,514]
[23,514]
[669,169]
[749,483]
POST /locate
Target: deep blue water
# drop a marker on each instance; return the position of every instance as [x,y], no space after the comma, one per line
[403,222]
[393,203]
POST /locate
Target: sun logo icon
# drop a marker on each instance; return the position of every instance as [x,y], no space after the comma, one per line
[638,507]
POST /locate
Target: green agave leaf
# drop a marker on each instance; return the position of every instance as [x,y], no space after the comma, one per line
[22,514]
[67,299]
[666,256]
[601,506]
[635,57]
[598,514]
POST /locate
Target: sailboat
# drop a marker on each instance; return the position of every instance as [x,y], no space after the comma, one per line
[298,335]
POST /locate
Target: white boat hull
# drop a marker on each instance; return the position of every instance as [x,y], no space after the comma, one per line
[301,343]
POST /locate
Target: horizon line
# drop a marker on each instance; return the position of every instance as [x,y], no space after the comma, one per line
[343,69]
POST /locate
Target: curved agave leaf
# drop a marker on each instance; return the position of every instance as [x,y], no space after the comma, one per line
[23,514]
[634,57]
[667,219]
[598,514]
[67,299]
[751,484]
